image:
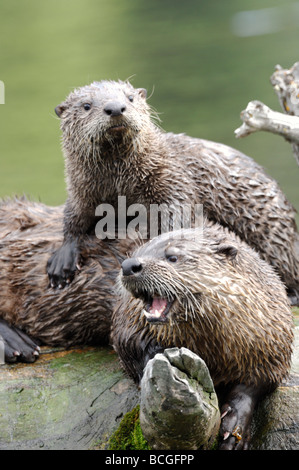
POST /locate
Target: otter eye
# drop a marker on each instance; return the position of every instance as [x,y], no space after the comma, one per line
[131,98]
[87,106]
[172,258]
[172,254]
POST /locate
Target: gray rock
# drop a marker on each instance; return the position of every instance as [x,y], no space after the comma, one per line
[179,406]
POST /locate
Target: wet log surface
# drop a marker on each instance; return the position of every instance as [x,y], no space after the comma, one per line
[66,400]
[76,399]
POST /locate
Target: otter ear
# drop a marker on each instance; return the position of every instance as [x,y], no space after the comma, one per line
[142,92]
[60,108]
[229,251]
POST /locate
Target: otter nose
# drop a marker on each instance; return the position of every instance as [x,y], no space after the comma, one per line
[115,108]
[131,266]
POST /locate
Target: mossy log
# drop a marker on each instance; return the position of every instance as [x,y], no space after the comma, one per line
[75,399]
[70,399]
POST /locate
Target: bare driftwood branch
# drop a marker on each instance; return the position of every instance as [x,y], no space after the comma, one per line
[257,116]
[286,85]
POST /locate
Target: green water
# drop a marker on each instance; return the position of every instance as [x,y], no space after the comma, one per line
[201,73]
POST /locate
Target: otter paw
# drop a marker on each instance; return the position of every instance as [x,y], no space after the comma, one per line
[235,427]
[63,264]
[17,345]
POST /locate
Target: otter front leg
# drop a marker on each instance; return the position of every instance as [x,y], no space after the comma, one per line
[17,345]
[236,414]
[64,263]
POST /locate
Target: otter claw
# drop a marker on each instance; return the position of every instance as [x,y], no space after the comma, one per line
[63,264]
[225,412]
[237,433]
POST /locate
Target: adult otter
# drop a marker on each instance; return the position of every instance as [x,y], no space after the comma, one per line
[113,148]
[214,295]
[29,232]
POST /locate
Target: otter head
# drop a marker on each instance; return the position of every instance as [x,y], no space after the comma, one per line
[102,112]
[176,276]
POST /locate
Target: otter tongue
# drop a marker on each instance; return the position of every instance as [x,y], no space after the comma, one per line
[158,306]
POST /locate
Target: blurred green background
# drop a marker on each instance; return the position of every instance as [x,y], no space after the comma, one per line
[202,61]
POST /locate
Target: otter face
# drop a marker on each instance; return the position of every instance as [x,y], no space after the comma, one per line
[176,277]
[103,111]
[137,277]
[155,277]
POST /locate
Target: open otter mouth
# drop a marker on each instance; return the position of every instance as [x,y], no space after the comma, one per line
[117,128]
[157,308]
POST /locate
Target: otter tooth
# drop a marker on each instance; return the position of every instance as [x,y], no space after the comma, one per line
[146,313]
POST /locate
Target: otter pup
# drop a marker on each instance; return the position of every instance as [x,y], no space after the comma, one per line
[112,148]
[211,293]
[79,315]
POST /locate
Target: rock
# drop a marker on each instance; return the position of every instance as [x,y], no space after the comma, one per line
[67,400]
[179,406]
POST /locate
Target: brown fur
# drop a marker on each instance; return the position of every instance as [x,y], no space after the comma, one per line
[229,305]
[147,165]
[230,308]
[80,314]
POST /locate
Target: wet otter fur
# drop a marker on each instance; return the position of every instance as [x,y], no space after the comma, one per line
[81,314]
[211,293]
[113,147]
